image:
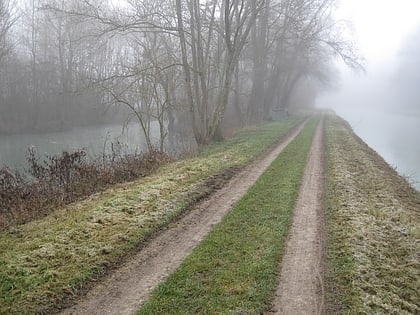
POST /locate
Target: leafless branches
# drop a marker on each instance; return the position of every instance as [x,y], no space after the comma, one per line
[195,62]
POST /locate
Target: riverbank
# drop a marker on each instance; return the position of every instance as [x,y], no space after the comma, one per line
[373,230]
[390,134]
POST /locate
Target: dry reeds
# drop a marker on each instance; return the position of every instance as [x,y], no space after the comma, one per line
[61,179]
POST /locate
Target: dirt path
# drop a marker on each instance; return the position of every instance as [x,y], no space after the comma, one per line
[124,291]
[301,289]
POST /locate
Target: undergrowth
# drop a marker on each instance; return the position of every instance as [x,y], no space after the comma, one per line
[52,259]
[234,270]
[61,179]
[373,225]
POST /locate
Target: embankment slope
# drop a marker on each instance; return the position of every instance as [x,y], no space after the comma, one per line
[373,229]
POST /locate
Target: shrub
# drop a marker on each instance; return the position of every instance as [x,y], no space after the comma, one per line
[61,179]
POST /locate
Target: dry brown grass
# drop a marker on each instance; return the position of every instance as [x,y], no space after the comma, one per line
[53,181]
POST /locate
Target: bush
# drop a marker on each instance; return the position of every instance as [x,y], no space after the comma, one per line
[61,179]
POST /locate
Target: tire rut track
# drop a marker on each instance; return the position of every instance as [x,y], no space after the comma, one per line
[301,288]
[126,289]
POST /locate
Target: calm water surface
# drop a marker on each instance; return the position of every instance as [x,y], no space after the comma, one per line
[96,140]
[396,137]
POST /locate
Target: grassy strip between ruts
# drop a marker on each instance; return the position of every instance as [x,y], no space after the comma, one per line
[374,230]
[44,262]
[234,270]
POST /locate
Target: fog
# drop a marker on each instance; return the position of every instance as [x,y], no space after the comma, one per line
[383,106]
[201,71]
[193,69]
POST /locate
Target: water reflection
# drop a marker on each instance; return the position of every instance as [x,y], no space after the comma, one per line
[96,140]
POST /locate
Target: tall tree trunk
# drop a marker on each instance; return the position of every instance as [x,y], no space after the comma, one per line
[255,110]
[34,70]
[187,75]
[237,98]
[236,34]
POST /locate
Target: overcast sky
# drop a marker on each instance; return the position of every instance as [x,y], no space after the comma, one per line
[380,27]
[375,103]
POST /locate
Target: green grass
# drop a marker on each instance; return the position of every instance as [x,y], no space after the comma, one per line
[46,261]
[373,227]
[235,269]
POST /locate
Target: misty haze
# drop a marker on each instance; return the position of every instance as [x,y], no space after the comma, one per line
[209,157]
[73,71]
[100,75]
[383,107]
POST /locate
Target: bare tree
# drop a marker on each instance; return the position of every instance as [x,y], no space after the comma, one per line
[301,37]
[259,51]
[238,19]
[229,38]
[227,51]
[7,20]
[143,85]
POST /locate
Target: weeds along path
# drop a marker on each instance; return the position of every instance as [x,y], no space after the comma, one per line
[125,290]
[301,288]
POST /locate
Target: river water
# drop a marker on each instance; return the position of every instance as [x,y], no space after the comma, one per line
[395,136]
[95,139]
